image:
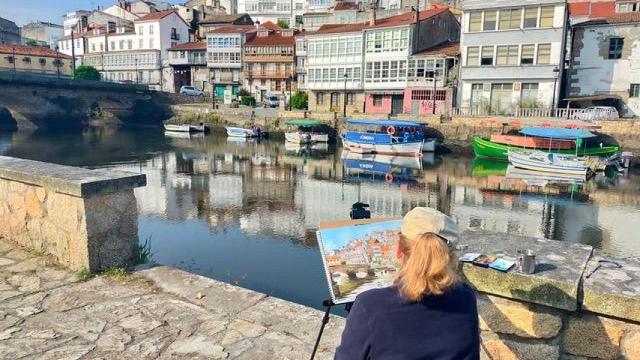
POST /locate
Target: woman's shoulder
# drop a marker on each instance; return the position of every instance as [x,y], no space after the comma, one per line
[373,298]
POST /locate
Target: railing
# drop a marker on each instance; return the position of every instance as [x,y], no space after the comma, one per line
[268,58]
[268,74]
[563,113]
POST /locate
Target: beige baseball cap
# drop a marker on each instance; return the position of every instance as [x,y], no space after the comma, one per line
[422,220]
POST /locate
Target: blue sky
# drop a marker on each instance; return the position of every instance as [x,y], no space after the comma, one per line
[25,11]
[333,239]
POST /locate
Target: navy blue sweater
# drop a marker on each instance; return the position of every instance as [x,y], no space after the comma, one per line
[384,325]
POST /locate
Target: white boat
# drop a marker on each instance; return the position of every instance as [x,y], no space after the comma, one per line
[402,149]
[305,137]
[537,178]
[548,162]
[178,128]
[387,137]
[241,132]
[429,145]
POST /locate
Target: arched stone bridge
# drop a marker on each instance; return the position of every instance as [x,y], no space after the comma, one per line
[44,102]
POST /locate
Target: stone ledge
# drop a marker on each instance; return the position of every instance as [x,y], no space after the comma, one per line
[611,291]
[69,180]
[560,266]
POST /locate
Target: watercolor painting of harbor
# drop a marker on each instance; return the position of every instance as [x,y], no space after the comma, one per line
[358,257]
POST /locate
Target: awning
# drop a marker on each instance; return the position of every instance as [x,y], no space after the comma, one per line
[303,122]
[557,133]
[385,122]
[592,98]
[384,92]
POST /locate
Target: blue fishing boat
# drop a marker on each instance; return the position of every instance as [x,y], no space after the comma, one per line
[387,137]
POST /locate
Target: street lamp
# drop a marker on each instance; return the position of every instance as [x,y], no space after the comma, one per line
[135,62]
[290,87]
[556,72]
[344,102]
[58,60]
[14,58]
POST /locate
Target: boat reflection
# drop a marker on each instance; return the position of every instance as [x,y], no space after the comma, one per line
[381,168]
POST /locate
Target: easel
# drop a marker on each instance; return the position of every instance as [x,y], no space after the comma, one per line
[325,320]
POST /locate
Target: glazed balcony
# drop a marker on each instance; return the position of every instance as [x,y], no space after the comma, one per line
[257,74]
[267,58]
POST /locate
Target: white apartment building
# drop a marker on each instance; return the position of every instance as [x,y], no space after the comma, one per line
[286,11]
[334,58]
[224,57]
[75,20]
[138,54]
[512,55]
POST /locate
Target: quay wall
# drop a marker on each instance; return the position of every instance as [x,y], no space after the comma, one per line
[83,218]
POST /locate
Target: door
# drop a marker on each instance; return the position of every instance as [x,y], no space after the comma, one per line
[220,92]
[501,98]
[396,104]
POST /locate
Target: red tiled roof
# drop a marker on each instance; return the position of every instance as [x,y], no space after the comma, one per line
[339,28]
[227,29]
[408,18]
[345,5]
[156,15]
[622,18]
[269,25]
[31,51]
[271,39]
[198,45]
[446,49]
[592,10]
[579,9]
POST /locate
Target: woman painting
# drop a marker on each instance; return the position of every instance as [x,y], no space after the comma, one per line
[428,313]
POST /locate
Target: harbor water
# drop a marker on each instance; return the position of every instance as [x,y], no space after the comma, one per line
[246,212]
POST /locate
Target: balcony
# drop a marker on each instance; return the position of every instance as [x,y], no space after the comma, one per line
[267,58]
[267,74]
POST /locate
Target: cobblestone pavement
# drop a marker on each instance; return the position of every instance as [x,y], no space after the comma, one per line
[156,313]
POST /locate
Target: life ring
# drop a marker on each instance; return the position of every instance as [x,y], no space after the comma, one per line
[388,178]
[391,130]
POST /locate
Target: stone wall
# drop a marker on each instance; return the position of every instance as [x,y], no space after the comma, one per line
[83,218]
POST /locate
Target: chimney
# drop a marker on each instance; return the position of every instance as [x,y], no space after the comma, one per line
[372,16]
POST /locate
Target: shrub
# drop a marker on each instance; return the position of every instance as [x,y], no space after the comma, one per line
[248,100]
[243,92]
[87,72]
[282,24]
[299,100]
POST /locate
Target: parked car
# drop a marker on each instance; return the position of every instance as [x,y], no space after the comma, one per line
[596,113]
[271,101]
[191,91]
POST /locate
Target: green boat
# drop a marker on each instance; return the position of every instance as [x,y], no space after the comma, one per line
[484,148]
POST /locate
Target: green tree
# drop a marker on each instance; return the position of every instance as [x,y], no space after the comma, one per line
[299,100]
[282,24]
[87,72]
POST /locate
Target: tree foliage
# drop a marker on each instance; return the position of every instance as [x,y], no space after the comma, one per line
[282,24]
[299,100]
[87,72]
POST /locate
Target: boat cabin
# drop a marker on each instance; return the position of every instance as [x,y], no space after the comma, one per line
[384,131]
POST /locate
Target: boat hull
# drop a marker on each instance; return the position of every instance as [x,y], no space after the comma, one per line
[306,137]
[401,149]
[487,149]
[240,132]
[429,145]
[534,162]
[178,128]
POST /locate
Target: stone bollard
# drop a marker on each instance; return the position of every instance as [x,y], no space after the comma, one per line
[83,218]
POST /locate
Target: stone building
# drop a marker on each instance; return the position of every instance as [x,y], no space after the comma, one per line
[9,32]
[512,55]
[34,59]
[41,32]
[268,63]
[214,21]
[604,68]
[188,63]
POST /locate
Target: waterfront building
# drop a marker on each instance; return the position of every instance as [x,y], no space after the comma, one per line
[34,59]
[301,61]
[9,32]
[210,6]
[188,63]
[214,21]
[334,68]
[76,21]
[224,57]
[389,44]
[80,21]
[269,63]
[512,55]
[602,67]
[137,54]
[43,33]
[122,10]
[287,12]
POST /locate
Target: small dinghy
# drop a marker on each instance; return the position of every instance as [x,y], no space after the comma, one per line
[548,162]
[239,132]
[178,128]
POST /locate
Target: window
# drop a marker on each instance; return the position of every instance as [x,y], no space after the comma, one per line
[121,44]
[487,56]
[510,19]
[544,54]
[42,61]
[529,95]
[546,16]
[150,29]
[501,98]
[11,59]
[627,7]
[473,52]
[377,100]
[350,98]
[319,98]
[26,59]
[334,100]
[530,17]
[140,30]
[507,55]
[151,43]
[112,45]
[477,96]
[174,34]
[140,43]
[615,48]
[527,54]
[634,90]
[475,21]
[489,21]
[129,44]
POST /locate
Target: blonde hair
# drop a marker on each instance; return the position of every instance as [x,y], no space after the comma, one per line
[428,267]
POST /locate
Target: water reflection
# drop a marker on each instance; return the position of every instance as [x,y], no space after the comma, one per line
[246,212]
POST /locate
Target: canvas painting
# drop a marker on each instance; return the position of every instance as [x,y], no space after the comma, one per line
[359,256]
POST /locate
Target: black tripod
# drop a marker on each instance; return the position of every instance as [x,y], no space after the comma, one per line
[325,319]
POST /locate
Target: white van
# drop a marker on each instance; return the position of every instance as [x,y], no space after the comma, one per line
[271,101]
